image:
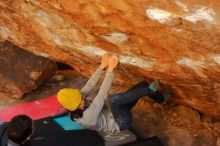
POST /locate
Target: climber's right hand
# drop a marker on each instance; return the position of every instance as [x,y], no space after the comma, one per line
[113,62]
[105,60]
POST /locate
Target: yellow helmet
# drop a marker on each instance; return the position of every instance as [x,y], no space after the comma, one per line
[69,98]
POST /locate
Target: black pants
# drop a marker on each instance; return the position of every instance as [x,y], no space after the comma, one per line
[122,103]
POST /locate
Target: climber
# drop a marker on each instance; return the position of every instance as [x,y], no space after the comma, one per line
[93,115]
[17,131]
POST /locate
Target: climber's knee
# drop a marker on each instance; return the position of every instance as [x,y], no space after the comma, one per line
[114,100]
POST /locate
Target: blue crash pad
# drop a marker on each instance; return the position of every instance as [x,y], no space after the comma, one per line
[67,124]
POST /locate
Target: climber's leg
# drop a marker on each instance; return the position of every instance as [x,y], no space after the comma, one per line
[131,96]
[142,84]
[122,103]
[122,116]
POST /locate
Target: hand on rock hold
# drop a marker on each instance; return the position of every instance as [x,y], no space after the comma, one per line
[113,62]
[105,60]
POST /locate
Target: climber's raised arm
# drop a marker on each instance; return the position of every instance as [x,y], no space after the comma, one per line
[92,82]
[91,114]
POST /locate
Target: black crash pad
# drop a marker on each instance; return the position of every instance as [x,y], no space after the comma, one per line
[48,133]
[154,141]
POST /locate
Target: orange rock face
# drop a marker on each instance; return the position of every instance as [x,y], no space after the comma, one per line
[177,42]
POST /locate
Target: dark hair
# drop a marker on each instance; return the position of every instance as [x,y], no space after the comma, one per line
[20,128]
[78,113]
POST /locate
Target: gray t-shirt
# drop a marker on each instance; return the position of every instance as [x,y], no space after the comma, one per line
[11,143]
[95,117]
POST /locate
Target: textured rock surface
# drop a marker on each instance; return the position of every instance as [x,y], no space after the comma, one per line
[21,71]
[218,142]
[217,127]
[177,42]
[174,125]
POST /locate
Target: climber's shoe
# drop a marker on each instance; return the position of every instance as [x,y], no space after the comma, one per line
[155,85]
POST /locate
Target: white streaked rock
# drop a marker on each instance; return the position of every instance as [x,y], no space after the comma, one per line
[191,63]
[135,61]
[43,18]
[201,13]
[139,62]
[6,33]
[195,65]
[116,37]
[92,50]
[182,5]
[159,15]
[216,58]
[45,55]
[56,39]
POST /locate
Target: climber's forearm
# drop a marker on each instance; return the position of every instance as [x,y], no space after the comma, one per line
[92,82]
